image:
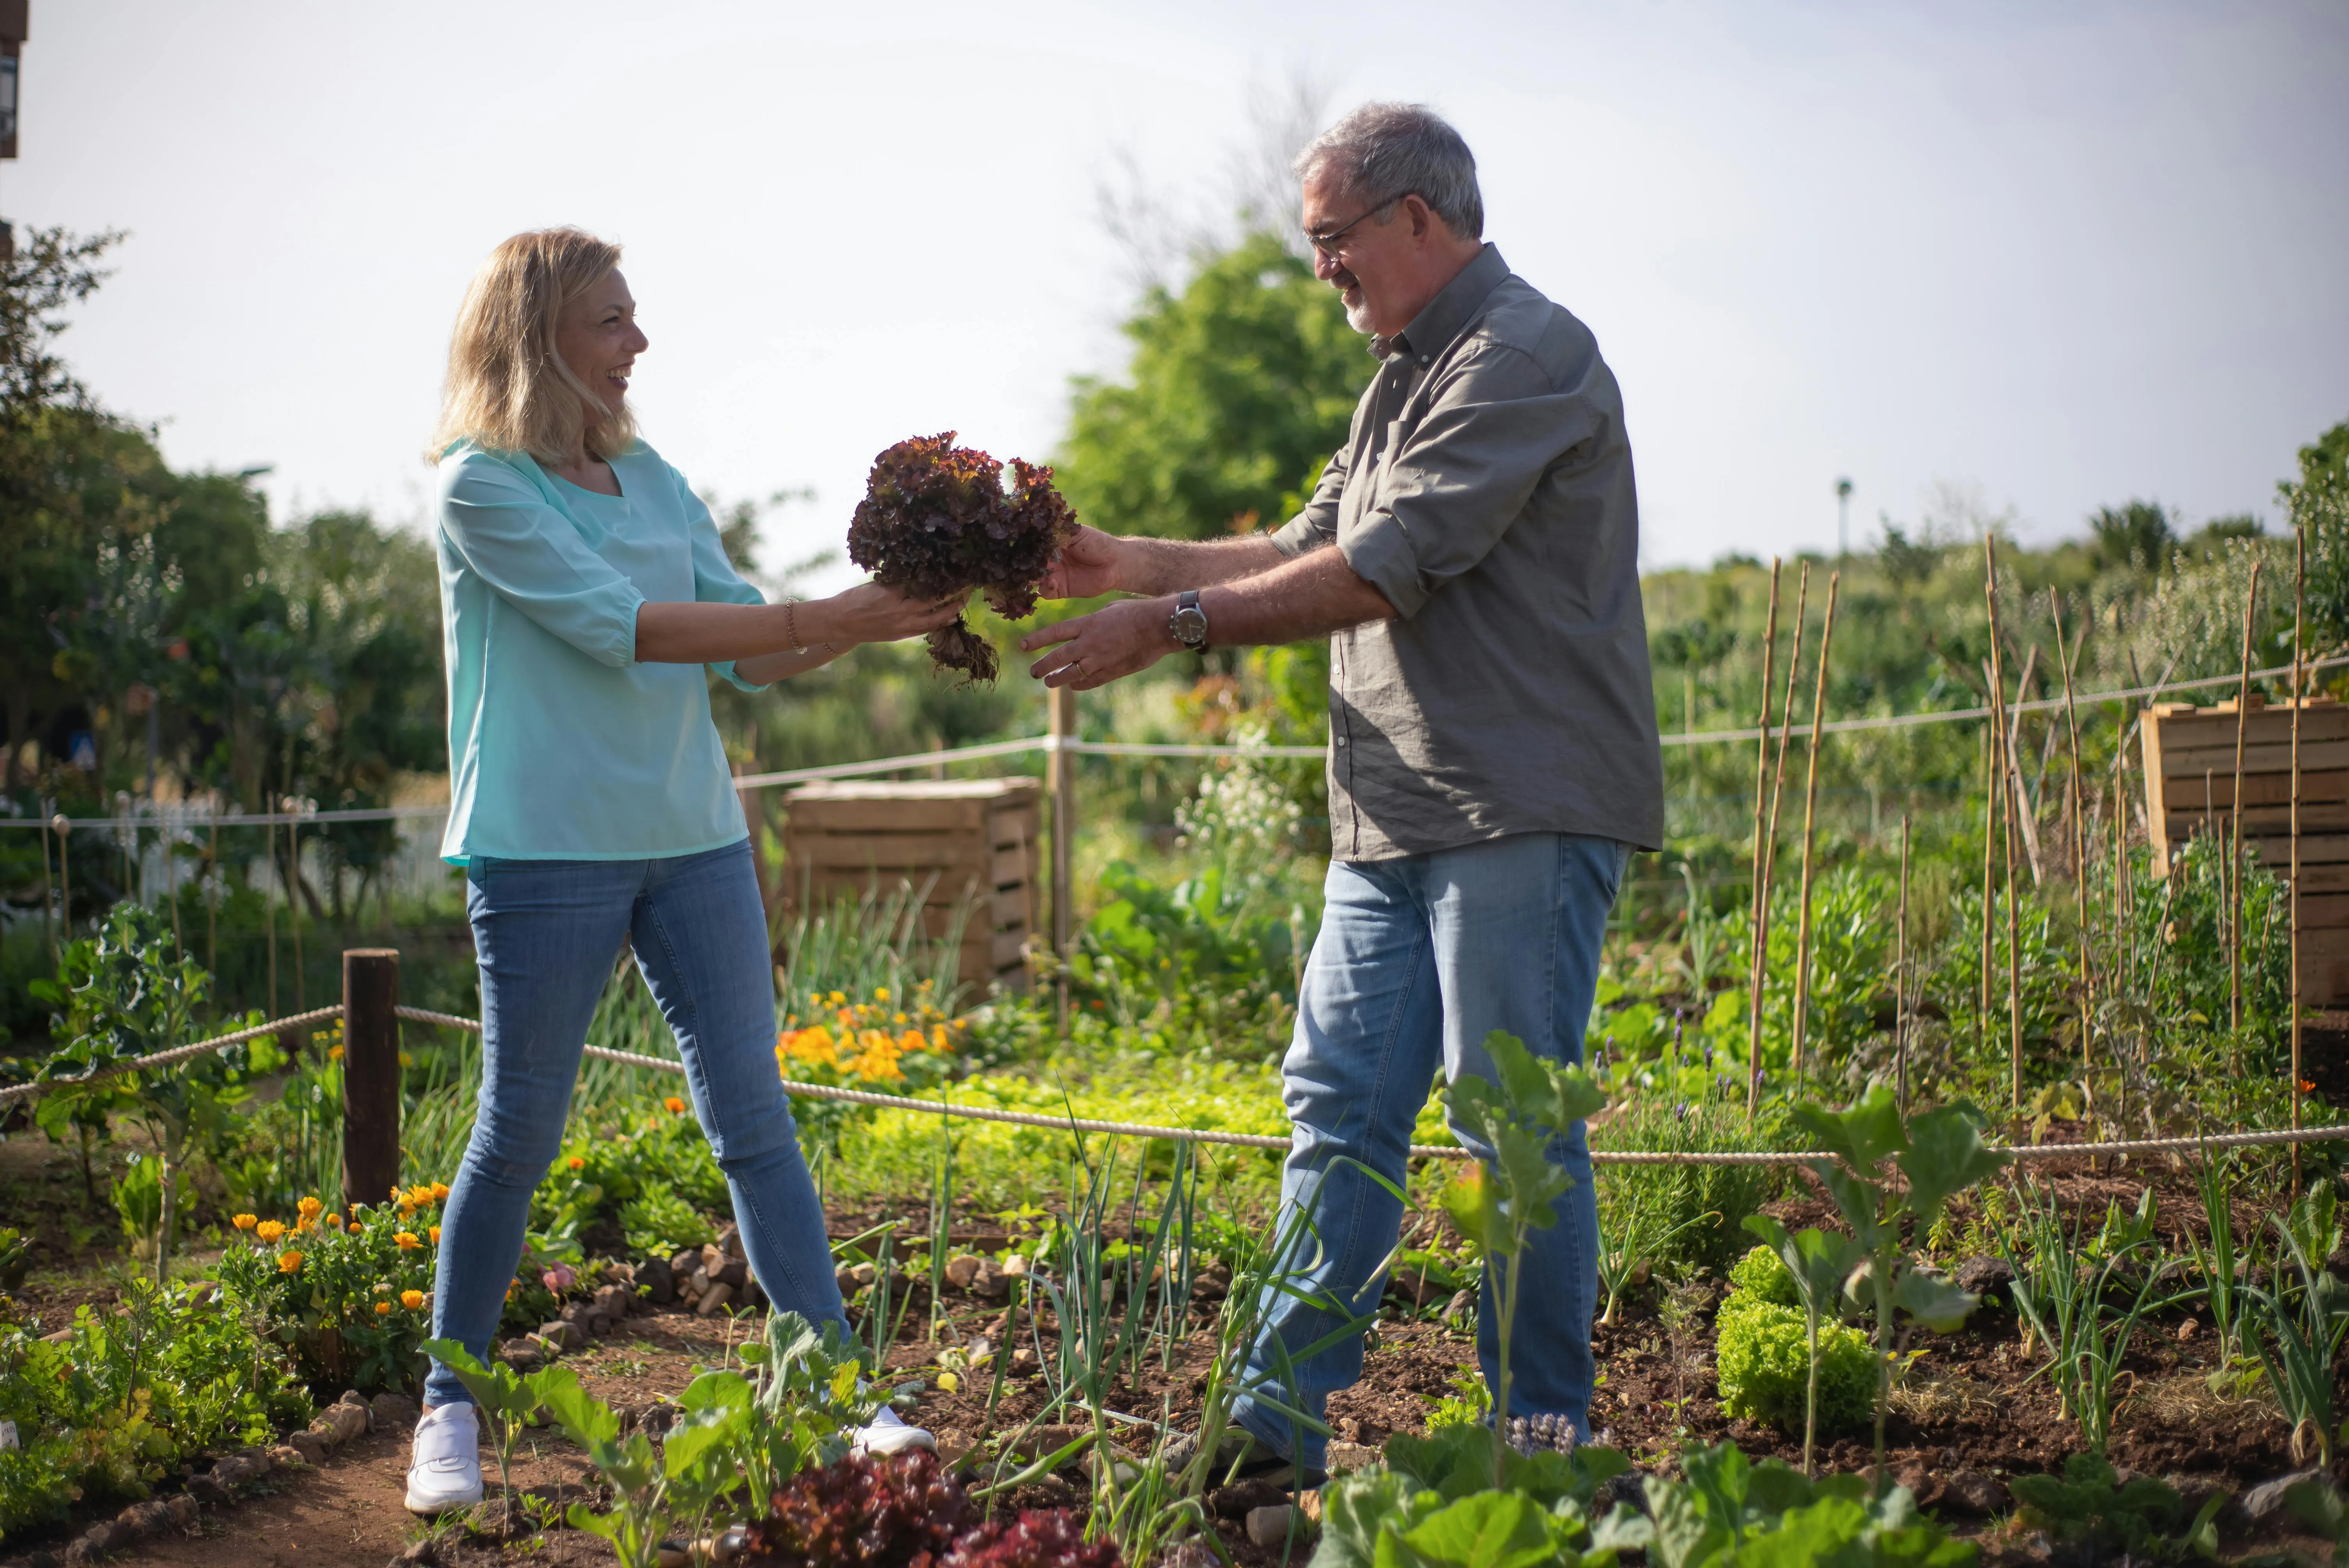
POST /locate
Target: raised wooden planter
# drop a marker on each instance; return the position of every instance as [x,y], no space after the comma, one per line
[965,838]
[2189,788]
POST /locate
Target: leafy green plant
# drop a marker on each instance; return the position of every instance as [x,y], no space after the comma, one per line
[506,1401]
[1441,1501]
[350,1298]
[1518,1113]
[129,993]
[138,1197]
[657,1222]
[1941,1153]
[14,1255]
[2099,1517]
[1812,1266]
[2217,1259]
[1728,1512]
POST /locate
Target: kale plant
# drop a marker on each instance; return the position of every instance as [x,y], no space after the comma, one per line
[937,521]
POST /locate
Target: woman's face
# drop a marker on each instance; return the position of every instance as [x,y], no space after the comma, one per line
[598,338]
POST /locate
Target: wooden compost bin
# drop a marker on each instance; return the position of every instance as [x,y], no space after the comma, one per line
[972,840]
[2189,788]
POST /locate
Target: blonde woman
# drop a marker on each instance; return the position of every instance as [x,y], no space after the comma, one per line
[583,591]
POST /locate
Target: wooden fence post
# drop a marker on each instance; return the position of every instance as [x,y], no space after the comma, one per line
[371,1074]
[1060,767]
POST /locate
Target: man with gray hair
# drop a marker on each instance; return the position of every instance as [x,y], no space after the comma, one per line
[1473,553]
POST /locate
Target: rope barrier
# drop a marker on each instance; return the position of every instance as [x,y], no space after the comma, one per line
[189,823]
[177,1054]
[1175,1134]
[1432,1150]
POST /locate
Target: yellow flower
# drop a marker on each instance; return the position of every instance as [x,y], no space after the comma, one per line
[288,1261]
[310,1207]
[383,1309]
[838,997]
[245,1222]
[880,992]
[674,1106]
[413,1299]
[335,1221]
[269,1230]
[434,1232]
[939,1038]
[357,1229]
[334,1053]
[440,1191]
[898,1019]
[406,1241]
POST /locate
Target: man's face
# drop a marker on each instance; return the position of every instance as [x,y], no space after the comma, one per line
[1367,263]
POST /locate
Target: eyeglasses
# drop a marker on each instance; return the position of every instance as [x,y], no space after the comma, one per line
[1327,244]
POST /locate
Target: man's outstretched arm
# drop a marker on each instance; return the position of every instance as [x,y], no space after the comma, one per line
[1310,595]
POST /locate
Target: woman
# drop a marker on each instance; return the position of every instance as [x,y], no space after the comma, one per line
[583,588]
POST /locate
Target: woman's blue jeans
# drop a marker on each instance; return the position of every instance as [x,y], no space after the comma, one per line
[1418,960]
[546,934]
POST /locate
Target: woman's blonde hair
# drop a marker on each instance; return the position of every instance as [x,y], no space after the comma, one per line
[508,388]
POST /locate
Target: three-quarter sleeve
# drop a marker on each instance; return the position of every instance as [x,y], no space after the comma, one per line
[1492,430]
[533,558]
[715,580]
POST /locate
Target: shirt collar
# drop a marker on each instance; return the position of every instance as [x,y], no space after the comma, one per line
[1439,321]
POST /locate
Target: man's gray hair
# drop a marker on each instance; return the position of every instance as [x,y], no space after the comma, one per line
[1385,150]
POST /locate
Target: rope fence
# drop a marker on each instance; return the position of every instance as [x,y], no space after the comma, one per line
[190,821]
[1152,1130]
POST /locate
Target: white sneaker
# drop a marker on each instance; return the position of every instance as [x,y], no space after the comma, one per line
[444,1463]
[887,1435]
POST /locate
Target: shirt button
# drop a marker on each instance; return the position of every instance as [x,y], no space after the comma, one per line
[1423,359]
[1342,740]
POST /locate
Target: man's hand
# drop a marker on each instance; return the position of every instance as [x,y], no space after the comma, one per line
[1094,650]
[1088,567]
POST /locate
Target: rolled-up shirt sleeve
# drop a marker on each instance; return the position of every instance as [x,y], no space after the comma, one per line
[1493,429]
[534,560]
[715,580]
[1316,525]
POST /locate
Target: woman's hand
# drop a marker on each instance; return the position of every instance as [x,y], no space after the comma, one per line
[869,612]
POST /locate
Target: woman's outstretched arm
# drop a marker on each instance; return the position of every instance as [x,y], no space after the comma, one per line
[758,637]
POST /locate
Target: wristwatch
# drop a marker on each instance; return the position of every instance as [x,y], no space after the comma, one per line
[1188,623]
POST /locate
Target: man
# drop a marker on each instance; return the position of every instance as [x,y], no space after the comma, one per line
[1473,551]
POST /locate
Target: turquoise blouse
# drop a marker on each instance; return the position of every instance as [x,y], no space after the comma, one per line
[561,745]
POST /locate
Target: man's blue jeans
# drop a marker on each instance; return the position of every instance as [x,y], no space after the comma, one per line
[546,933]
[1418,960]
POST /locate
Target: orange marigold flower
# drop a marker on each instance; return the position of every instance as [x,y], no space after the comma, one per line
[310,1207]
[433,1232]
[383,1309]
[911,1040]
[335,1221]
[270,1230]
[440,1191]
[357,1229]
[413,1299]
[576,1163]
[406,1241]
[287,1261]
[245,1222]
[406,1209]
[674,1106]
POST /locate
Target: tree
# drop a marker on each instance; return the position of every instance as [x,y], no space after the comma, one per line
[2318,505]
[1240,387]
[2139,534]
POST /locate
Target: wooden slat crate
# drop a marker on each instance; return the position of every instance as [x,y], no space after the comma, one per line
[2189,788]
[978,838]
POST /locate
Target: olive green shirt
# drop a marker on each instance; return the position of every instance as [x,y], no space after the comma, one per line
[1486,490]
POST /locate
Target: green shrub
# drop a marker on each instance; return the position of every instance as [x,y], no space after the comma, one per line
[1675,1198]
[1763,1364]
[659,1222]
[1761,1275]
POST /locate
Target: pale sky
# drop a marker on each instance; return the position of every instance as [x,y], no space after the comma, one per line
[2068,255]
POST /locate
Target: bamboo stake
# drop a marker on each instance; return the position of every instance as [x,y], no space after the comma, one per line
[1754,914]
[1810,827]
[2000,762]
[2120,850]
[2079,827]
[1900,979]
[211,892]
[65,873]
[48,911]
[2299,636]
[1761,974]
[2235,805]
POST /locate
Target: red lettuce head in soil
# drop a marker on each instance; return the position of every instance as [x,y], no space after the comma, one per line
[1038,1538]
[937,521]
[861,1513]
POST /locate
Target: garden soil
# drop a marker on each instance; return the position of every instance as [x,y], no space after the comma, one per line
[1970,1414]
